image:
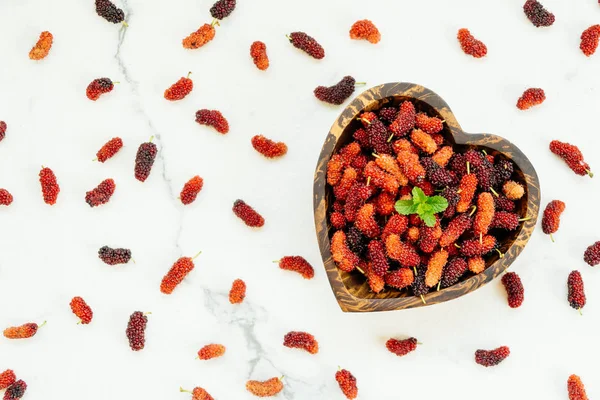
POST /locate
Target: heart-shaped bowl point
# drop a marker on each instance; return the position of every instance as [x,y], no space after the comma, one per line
[351,289]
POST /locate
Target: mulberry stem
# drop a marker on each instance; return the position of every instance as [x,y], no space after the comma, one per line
[360,83]
[473,212]
[438,286]
[524,219]
[368,181]
[216,22]
[197,254]
[468,167]
[390,138]
[501,254]
[183,390]
[552,238]
[151,138]
[580,313]
[360,270]
[494,192]
[423,299]
[375,155]
[126,25]
[43,323]
[590,173]
[480,238]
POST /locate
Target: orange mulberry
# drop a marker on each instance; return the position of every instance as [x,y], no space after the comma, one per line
[476,264]
[347,383]
[341,190]
[198,393]
[182,267]
[411,167]
[301,340]
[42,47]
[50,187]
[337,219]
[389,165]
[531,97]
[81,309]
[470,45]
[401,347]
[237,294]
[404,145]
[366,222]
[180,89]
[435,267]
[396,225]
[199,38]
[7,378]
[211,351]
[6,198]
[365,29]
[258,52]
[576,388]
[297,264]
[266,388]
[191,189]
[513,190]
[485,214]
[247,214]
[376,282]
[442,156]
[400,278]
[589,40]
[404,253]
[572,156]
[380,178]
[430,125]
[345,259]
[23,331]
[268,147]
[335,166]
[111,148]
[467,187]
[551,218]
[384,203]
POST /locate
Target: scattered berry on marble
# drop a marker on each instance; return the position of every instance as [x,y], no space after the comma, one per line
[198,393]
[50,187]
[268,388]
[401,347]
[180,89]
[110,12]
[191,189]
[572,156]
[514,289]
[576,291]
[101,194]
[491,358]
[306,43]
[136,330]
[258,52]
[23,331]
[268,147]
[222,8]
[42,47]
[213,118]
[365,30]
[513,190]
[247,214]
[15,391]
[199,38]
[589,40]
[98,87]
[112,256]
[337,93]
[592,254]
[301,340]
[531,97]
[211,351]
[111,148]
[470,45]
[576,388]
[180,269]
[297,264]
[7,378]
[144,160]
[2,130]
[537,14]
[347,383]
[551,218]
[6,198]
[237,293]
[81,310]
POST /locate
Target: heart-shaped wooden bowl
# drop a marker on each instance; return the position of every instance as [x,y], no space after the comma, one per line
[351,289]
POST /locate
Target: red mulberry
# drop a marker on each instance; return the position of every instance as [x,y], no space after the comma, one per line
[266,388]
[457,226]
[337,93]
[592,254]
[429,237]
[359,193]
[350,152]
[477,247]
[109,11]
[307,44]
[111,148]
[396,225]
[2,130]
[297,264]
[453,271]
[198,394]
[267,147]
[504,204]
[376,283]
[182,267]
[211,351]
[484,215]
[388,114]
[213,118]
[513,190]
[337,220]
[199,38]
[551,218]
[404,145]
[411,167]
[101,194]
[345,259]
[301,340]
[537,14]
[423,141]
[401,347]
[365,29]
[531,97]
[98,87]
[50,188]
[222,8]
[16,390]
[514,289]
[114,256]
[589,40]
[42,47]
[347,383]
[427,124]
[377,258]
[380,178]
[572,156]
[400,278]
[247,214]
[576,388]
[180,89]
[366,222]
[237,293]
[470,45]
[6,198]
[7,378]
[406,119]
[404,253]
[81,310]
[384,203]
[435,267]
[467,187]
[258,52]
[576,290]
[23,331]
[191,189]
[136,330]
[490,358]
[144,160]
[505,220]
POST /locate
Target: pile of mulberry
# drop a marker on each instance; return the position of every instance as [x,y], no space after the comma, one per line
[212,118]
[15,391]
[470,45]
[514,289]
[98,87]
[268,147]
[401,347]
[50,188]
[199,38]
[576,388]
[5,197]
[112,256]
[237,293]
[537,14]
[222,8]
[182,267]
[301,340]
[490,358]
[266,388]
[191,189]
[576,295]
[365,29]
[531,97]
[247,214]
[589,40]
[81,309]
[337,93]
[111,148]
[144,160]
[347,383]
[572,156]
[42,47]
[101,194]
[24,331]
[551,218]
[180,89]
[307,44]
[592,254]
[136,330]
[211,351]
[109,11]
[258,52]
[297,264]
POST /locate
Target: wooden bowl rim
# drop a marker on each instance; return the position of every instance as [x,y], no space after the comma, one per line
[373,96]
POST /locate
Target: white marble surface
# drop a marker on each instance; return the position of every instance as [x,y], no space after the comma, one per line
[48,254]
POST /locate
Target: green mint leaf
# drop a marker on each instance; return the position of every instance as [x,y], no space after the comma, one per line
[424,208]
[418,195]
[437,204]
[405,207]
[429,219]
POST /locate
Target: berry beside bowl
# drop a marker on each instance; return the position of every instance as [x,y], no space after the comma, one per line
[381,268]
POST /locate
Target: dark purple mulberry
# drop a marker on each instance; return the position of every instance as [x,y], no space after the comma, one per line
[136,330]
[503,171]
[453,271]
[307,44]
[388,114]
[592,254]
[222,8]
[486,176]
[337,93]
[377,133]
[16,390]
[475,158]
[437,175]
[144,160]
[503,203]
[514,289]
[458,164]
[576,291]
[356,241]
[114,256]
[109,11]
[537,14]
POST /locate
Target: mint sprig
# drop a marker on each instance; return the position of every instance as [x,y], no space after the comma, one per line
[424,206]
